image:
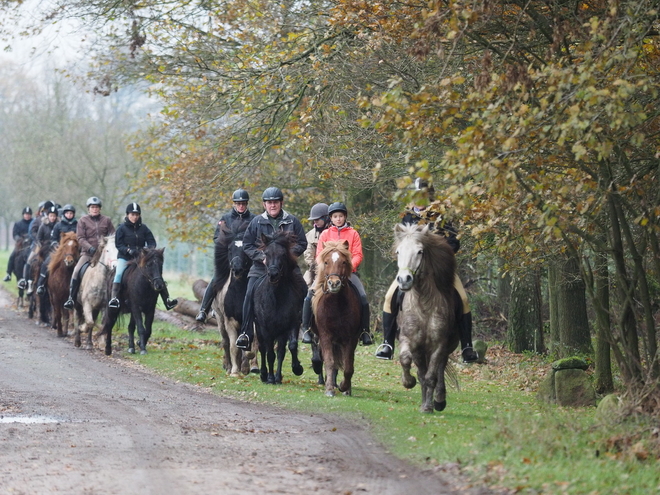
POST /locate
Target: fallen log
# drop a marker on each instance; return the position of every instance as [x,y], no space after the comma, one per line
[199,287]
[191,308]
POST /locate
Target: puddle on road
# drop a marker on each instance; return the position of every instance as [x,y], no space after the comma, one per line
[29,419]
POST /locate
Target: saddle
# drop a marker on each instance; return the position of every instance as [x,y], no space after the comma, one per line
[83,269]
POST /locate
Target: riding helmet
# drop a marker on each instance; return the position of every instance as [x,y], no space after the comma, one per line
[28,210]
[68,207]
[93,201]
[272,194]
[48,205]
[133,208]
[53,209]
[337,207]
[240,195]
[319,210]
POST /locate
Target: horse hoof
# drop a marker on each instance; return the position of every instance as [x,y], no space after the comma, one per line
[250,355]
[409,383]
[235,375]
[297,369]
[317,366]
[329,393]
[440,406]
[426,410]
[254,370]
[348,392]
[264,378]
[131,350]
[143,352]
[270,380]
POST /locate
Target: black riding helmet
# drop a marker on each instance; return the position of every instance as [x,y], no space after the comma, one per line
[272,194]
[53,209]
[68,207]
[240,195]
[133,208]
[337,207]
[27,210]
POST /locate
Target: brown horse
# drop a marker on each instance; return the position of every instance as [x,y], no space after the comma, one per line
[62,263]
[336,306]
[38,305]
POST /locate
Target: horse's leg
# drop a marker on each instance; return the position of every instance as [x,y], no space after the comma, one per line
[426,375]
[317,361]
[349,368]
[79,320]
[296,367]
[270,356]
[281,353]
[440,393]
[131,335]
[406,359]
[328,365]
[148,324]
[264,368]
[108,323]
[89,318]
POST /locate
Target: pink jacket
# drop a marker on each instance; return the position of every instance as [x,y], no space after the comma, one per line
[347,233]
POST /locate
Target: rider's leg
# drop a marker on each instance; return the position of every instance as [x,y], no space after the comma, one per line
[365,336]
[116,284]
[75,283]
[307,318]
[207,300]
[465,325]
[165,296]
[390,312]
[244,340]
[43,277]
[10,266]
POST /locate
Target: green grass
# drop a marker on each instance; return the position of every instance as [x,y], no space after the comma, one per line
[493,427]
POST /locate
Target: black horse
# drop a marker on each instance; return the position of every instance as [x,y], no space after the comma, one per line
[20,256]
[278,300]
[141,284]
[228,303]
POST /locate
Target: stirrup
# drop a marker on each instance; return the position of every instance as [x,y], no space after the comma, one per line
[307,337]
[365,338]
[29,287]
[68,304]
[469,355]
[384,351]
[201,316]
[171,303]
[41,290]
[113,303]
[21,284]
[243,342]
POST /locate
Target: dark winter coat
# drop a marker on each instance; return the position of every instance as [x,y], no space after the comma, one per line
[62,227]
[21,228]
[261,224]
[91,229]
[43,235]
[130,238]
[235,221]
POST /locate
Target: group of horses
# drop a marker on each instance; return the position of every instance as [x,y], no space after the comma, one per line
[426,320]
[142,282]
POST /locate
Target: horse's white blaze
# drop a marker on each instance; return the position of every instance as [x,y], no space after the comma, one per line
[335,257]
[238,243]
[70,243]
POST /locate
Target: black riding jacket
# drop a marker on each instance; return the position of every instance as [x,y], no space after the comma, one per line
[261,224]
[130,238]
[21,228]
[63,226]
[447,229]
[235,221]
[43,234]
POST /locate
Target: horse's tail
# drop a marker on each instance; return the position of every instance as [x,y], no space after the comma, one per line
[451,375]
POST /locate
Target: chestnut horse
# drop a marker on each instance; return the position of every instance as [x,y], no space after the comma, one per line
[336,306]
[426,320]
[62,263]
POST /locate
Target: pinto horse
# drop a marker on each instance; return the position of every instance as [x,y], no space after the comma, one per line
[141,284]
[60,268]
[427,317]
[93,293]
[336,306]
[278,300]
[228,303]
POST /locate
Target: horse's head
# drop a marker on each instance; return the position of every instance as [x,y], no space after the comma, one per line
[106,253]
[409,253]
[150,263]
[279,259]
[239,261]
[70,249]
[335,265]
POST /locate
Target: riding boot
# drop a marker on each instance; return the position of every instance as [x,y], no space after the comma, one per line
[73,292]
[41,283]
[244,340]
[207,300]
[465,329]
[386,349]
[114,298]
[169,303]
[7,277]
[365,337]
[307,319]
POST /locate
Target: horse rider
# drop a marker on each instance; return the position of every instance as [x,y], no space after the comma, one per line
[43,239]
[68,223]
[341,230]
[90,230]
[33,229]
[21,228]
[131,237]
[318,215]
[413,215]
[273,219]
[235,220]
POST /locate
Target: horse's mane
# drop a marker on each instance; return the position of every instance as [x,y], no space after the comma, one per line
[342,248]
[284,239]
[57,257]
[23,242]
[439,260]
[148,254]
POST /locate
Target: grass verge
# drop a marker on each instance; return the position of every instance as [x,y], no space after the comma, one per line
[493,429]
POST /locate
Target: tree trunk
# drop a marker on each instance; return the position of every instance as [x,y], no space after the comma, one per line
[553,345]
[603,381]
[525,325]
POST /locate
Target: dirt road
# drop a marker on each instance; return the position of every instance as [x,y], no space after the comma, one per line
[74,421]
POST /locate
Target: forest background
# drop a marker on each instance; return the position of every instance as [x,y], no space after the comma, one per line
[536,122]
